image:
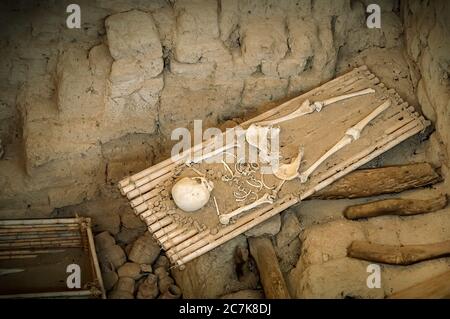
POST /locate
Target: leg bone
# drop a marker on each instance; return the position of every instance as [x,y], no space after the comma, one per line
[265,199]
[351,135]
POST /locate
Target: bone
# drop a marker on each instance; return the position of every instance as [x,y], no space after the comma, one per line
[306,107]
[289,171]
[303,109]
[212,242]
[265,199]
[351,135]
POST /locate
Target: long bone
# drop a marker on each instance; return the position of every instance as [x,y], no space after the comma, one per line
[306,107]
[257,134]
[352,134]
[265,199]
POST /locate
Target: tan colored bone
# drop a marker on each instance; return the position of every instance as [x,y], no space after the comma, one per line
[289,171]
[352,134]
[265,199]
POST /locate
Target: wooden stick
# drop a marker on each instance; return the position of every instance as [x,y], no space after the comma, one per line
[38,222]
[160,224]
[153,217]
[94,257]
[40,239]
[141,199]
[433,288]
[166,230]
[149,178]
[384,180]
[42,244]
[180,238]
[397,255]
[17,257]
[149,186]
[171,234]
[33,251]
[184,244]
[272,280]
[395,206]
[38,234]
[147,205]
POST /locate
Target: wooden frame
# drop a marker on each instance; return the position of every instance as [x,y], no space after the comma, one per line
[186,236]
[36,233]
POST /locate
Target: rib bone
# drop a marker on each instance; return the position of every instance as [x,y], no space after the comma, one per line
[352,134]
[265,199]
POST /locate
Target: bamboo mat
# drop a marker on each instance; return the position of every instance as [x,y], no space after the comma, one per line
[185,236]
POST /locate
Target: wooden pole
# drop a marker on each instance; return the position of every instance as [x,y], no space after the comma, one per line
[272,280]
[397,255]
[377,181]
[432,288]
[395,206]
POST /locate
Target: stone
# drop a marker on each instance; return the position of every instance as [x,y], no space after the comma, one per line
[126,77]
[425,104]
[213,274]
[244,294]
[124,289]
[328,241]
[162,262]
[269,227]
[339,278]
[145,250]
[228,18]
[131,270]
[260,89]
[127,236]
[100,60]
[111,257]
[132,34]
[130,220]
[110,278]
[149,288]
[197,29]
[290,229]
[146,268]
[76,86]
[264,40]
[104,240]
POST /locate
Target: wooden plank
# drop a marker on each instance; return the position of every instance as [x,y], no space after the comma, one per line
[395,206]
[433,288]
[272,280]
[397,255]
[383,180]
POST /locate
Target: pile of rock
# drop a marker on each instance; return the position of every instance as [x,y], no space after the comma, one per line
[137,271]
